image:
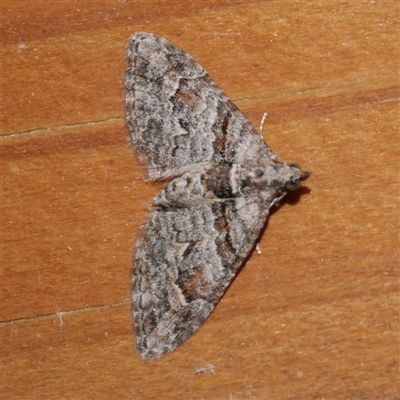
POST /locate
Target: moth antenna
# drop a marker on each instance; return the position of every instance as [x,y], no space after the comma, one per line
[264,117]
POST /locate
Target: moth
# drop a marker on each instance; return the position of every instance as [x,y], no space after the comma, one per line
[223,180]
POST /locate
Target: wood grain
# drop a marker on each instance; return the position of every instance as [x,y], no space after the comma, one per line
[315,315]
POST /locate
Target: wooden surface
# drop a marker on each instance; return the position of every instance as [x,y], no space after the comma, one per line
[315,315]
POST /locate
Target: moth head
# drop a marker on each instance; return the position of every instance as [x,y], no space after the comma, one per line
[295,176]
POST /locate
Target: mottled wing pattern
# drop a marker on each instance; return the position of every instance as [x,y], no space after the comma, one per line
[184,263]
[207,219]
[177,116]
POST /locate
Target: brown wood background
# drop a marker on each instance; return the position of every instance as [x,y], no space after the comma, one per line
[315,315]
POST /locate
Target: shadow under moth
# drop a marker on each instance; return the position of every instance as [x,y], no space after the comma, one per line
[223,180]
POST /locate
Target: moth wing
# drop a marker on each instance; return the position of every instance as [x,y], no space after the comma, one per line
[184,262]
[177,116]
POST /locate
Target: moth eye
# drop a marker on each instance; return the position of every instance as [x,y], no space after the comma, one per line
[293,184]
[293,164]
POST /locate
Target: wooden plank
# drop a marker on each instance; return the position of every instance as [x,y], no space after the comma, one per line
[66,219]
[315,315]
[72,43]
